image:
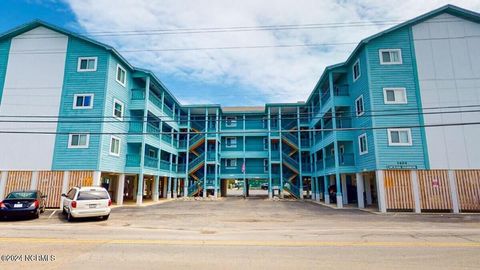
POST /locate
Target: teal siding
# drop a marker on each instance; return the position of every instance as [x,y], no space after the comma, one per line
[114,90]
[4,51]
[382,76]
[65,158]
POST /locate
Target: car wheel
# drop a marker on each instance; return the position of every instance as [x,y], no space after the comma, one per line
[105,217]
[70,218]
[64,212]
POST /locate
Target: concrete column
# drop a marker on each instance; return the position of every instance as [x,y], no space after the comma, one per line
[343,177]
[96,178]
[175,187]
[34,181]
[66,178]
[320,195]
[360,189]
[338,185]
[368,191]
[155,193]
[416,191]
[452,181]
[169,187]
[382,206]
[120,189]
[140,189]
[3,183]
[326,185]
[164,188]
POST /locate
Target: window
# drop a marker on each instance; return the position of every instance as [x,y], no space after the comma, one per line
[356,70]
[121,75]
[231,142]
[400,137]
[363,144]
[231,121]
[265,122]
[78,140]
[118,109]
[230,163]
[115,146]
[395,95]
[390,57]
[265,143]
[83,101]
[152,153]
[87,64]
[359,106]
[265,165]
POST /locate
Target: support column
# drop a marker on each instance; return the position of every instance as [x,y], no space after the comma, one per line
[360,189]
[326,183]
[34,181]
[416,191]
[169,186]
[175,183]
[368,191]
[140,189]
[338,185]
[270,182]
[164,188]
[382,207]
[343,177]
[280,143]
[120,189]
[300,175]
[97,178]
[205,176]
[66,178]
[452,181]
[217,138]
[185,182]
[3,183]
[155,193]
[320,195]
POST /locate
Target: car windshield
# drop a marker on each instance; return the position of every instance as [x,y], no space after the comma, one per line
[22,195]
[93,195]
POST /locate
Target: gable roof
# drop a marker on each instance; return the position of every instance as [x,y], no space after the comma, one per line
[450,9]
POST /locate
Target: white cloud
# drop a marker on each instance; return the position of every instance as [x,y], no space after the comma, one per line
[280,74]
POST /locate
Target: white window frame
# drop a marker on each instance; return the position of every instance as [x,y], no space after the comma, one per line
[232,139]
[266,165]
[78,146]
[233,121]
[402,89]
[75,107]
[380,53]
[356,106]
[408,130]
[119,146]
[364,136]
[86,58]
[116,101]
[116,75]
[359,70]
[231,166]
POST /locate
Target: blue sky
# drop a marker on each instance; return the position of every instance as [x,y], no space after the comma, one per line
[229,77]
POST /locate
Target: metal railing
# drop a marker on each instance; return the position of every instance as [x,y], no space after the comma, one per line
[194,163]
[132,160]
[153,130]
[155,100]
[341,90]
[164,165]
[138,94]
[290,160]
[293,139]
[292,188]
[150,162]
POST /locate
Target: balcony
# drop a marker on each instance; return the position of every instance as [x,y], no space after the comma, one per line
[138,94]
[344,122]
[343,160]
[167,111]
[306,168]
[211,155]
[155,100]
[319,164]
[136,126]
[164,165]
[275,156]
[305,143]
[330,162]
[150,162]
[153,131]
[181,168]
[167,138]
[341,90]
[325,97]
[132,161]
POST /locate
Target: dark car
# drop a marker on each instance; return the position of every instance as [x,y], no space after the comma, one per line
[29,203]
[264,186]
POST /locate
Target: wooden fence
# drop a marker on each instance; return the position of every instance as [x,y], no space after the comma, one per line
[434,190]
[398,190]
[468,186]
[50,183]
[18,180]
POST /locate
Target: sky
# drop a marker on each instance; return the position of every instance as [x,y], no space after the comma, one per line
[195,64]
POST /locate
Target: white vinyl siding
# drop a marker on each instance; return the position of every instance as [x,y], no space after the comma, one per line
[83,101]
[391,57]
[121,76]
[114,146]
[86,64]
[359,106]
[395,95]
[78,140]
[362,144]
[399,137]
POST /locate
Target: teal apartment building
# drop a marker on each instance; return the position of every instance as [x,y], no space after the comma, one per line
[392,127]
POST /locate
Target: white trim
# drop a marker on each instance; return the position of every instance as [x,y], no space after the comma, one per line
[364,135]
[380,52]
[403,89]
[113,111]
[230,167]
[363,106]
[359,70]
[409,131]
[116,75]
[232,145]
[75,107]
[119,146]
[233,121]
[78,146]
[86,58]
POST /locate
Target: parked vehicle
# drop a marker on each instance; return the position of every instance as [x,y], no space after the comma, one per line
[86,202]
[264,186]
[29,203]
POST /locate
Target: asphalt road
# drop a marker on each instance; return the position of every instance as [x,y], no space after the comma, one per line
[243,234]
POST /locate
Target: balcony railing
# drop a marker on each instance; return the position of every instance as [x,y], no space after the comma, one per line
[150,162]
[138,94]
[155,100]
[319,164]
[164,165]
[346,160]
[344,123]
[325,97]
[305,143]
[167,138]
[167,111]
[211,155]
[330,162]
[153,130]
[136,126]
[275,155]
[132,160]
[340,90]
[306,168]
[181,168]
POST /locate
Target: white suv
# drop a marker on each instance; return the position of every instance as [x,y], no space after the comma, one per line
[86,202]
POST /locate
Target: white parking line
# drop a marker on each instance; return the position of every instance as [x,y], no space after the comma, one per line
[52,214]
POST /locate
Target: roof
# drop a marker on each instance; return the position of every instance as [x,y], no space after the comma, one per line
[247,109]
[450,9]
